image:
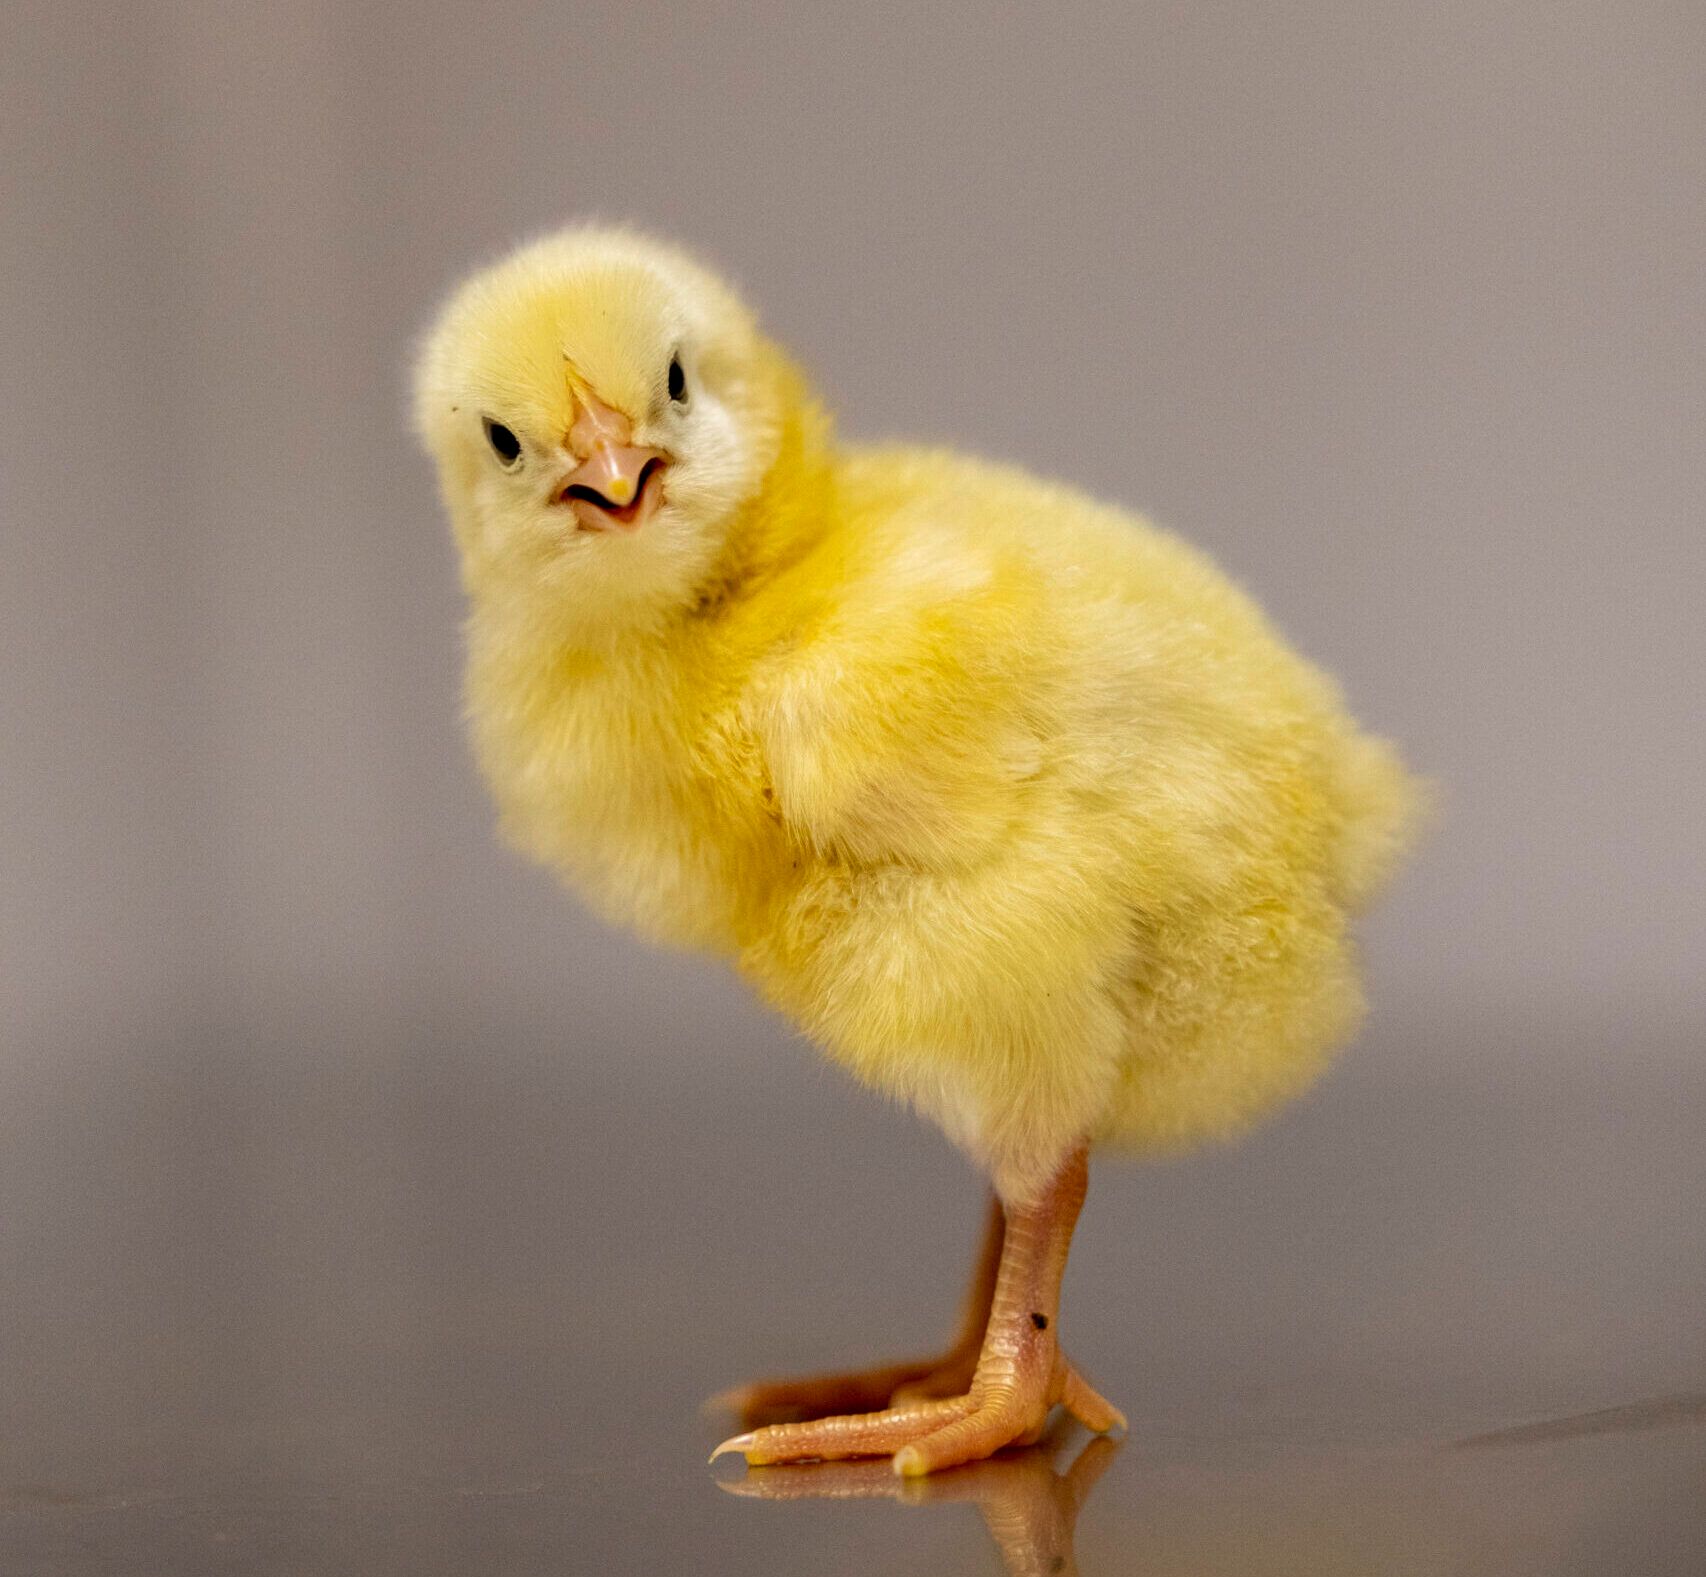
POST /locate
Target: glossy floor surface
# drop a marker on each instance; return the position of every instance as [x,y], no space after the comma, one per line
[438,1298]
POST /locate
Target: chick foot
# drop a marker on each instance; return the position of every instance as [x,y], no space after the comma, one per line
[1021,1373]
[926,1436]
[870,1390]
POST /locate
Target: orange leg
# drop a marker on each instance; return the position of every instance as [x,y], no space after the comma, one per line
[865,1390]
[1019,1376]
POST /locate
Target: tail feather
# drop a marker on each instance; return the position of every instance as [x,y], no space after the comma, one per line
[1384,806]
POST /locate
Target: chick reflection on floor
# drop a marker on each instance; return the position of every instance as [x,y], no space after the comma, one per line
[1029,1500]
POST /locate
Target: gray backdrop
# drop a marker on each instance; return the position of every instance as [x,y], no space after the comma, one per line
[1397,309]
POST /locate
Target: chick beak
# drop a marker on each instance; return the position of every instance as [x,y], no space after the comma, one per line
[617,484]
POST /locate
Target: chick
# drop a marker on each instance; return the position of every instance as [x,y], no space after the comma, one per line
[1010,801]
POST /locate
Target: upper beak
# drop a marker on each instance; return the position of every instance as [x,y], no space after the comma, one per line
[617,483]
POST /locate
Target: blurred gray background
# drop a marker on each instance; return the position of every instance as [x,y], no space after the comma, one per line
[1397,309]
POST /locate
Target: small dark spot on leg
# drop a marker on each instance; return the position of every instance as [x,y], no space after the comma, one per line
[1040,1321]
[1058,1564]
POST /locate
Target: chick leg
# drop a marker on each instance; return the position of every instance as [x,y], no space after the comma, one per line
[865,1390]
[1021,1372]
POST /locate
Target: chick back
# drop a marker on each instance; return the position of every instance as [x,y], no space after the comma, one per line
[1080,834]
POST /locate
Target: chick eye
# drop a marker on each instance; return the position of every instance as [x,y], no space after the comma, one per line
[505,445]
[677,381]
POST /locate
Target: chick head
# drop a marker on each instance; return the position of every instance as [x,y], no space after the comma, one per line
[600,408]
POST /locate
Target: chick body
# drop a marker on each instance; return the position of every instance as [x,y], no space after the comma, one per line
[1011,801]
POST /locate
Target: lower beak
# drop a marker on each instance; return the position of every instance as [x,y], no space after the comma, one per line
[616,488]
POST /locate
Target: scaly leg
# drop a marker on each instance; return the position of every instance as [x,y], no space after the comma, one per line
[865,1390]
[1021,1372]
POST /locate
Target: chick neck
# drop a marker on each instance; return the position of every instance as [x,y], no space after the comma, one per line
[790,513]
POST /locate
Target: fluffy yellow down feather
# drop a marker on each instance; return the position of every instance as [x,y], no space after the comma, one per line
[1008,799]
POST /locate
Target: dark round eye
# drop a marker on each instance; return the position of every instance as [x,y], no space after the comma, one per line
[505,445]
[677,381]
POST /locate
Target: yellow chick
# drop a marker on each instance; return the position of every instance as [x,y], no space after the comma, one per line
[1008,799]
